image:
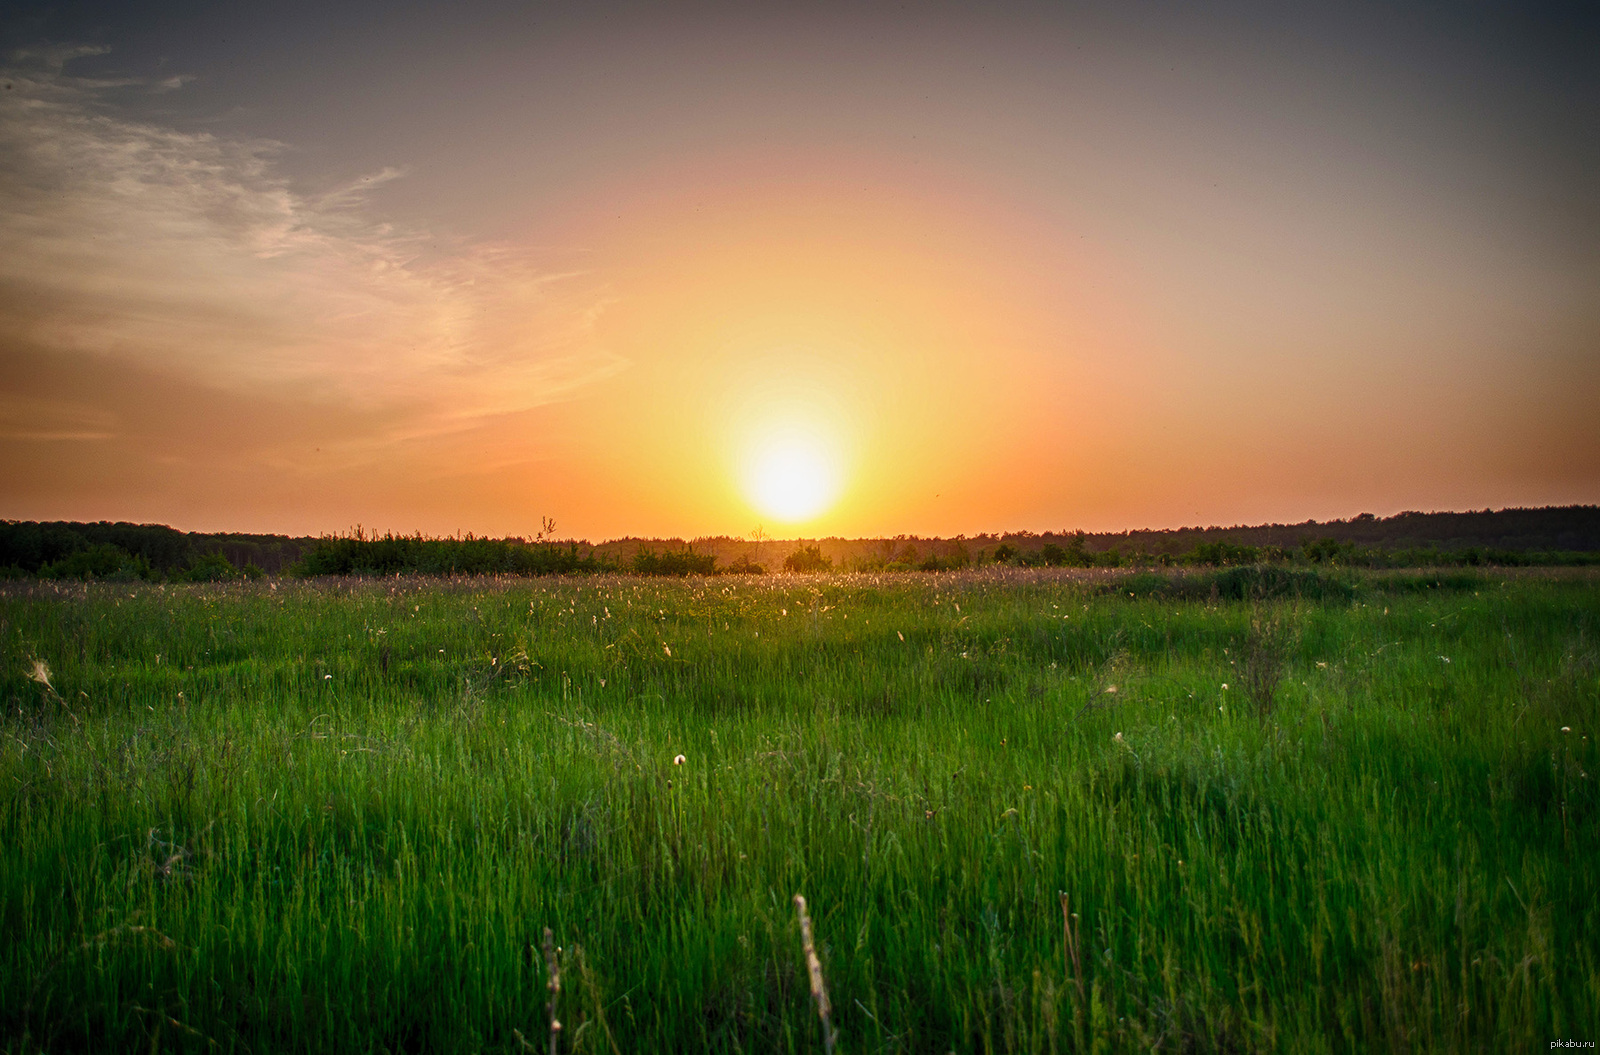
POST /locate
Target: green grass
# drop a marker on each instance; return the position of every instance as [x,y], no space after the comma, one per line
[339,816]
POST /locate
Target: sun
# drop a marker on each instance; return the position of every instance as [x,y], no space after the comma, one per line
[792,475]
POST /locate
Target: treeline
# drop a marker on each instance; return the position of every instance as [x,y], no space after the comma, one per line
[358,554]
[147,552]
[1549,529]
[152,552]
[123,552]
[1326,552]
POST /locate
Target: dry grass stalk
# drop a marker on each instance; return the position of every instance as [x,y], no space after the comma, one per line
[552,963]
[1265,657]
[819,991]
[1069,927]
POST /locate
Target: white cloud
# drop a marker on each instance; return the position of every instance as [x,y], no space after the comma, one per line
[191,254]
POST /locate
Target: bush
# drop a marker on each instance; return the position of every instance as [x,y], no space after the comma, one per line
[1222,553]
[1327,550]
[807,559]
[679,562]
[208,567]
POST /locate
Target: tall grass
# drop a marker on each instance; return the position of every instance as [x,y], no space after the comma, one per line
[1026,811]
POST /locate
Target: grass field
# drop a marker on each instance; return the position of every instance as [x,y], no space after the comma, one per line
[1029,811]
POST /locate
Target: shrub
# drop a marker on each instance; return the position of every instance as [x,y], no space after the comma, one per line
[209,567]
[674,562]
[1222,553]
[807,559]
[1327,550]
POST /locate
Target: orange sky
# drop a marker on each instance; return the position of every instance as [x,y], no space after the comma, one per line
[1012,271]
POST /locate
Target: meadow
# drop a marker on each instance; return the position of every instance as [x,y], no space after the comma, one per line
[1035,810]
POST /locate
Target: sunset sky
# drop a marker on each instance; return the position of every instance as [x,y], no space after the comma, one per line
[858,269]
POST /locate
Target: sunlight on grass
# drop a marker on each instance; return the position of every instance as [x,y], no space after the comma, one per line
[1022,811]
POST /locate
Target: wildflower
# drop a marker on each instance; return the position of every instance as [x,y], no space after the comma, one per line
[1118,738]
[1224,686]
[327,677]
[1566,728]
[679,760]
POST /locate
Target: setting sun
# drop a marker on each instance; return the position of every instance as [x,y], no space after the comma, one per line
[792,476]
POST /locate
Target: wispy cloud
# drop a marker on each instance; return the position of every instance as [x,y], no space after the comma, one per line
[191,254]
[36,419]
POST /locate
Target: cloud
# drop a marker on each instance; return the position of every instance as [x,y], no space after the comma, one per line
[48,420]
[191,254]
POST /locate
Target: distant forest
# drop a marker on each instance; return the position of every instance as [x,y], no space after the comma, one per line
[1564,535]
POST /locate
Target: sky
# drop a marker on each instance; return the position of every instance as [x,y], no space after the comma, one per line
[691,269]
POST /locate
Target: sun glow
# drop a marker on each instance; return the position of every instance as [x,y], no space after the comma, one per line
[792,475]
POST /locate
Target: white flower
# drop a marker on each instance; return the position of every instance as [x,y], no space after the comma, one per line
[1118,738]
[1224,686]
[1566,728]
[678,761]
